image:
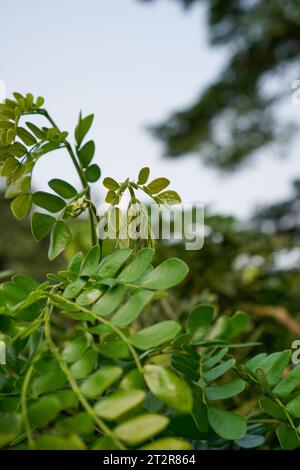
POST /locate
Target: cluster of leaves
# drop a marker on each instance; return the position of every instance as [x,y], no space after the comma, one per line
[81,372]
[110,385]
[20,149]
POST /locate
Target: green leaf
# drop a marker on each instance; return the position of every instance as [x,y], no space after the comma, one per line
[143,175]
[273,373]
[199,414]
[199,320]
[81,423]
[169,388]
[83,127]
[133,307]
[140,429]
[44,410]
[226,390]
[168,274]
[138,266]
[169,197]
[48,201]
[10,427]
[26,136]
[96,384]
[119,403]
[21,206]
[155,335]
[93,173]
[114,350]
[88,297]
[84,365]
[60,239]
[168,443]
[62,188]
[105,443]
[86,153]
[111,184]
[219,370]
[288,383]
[213,360]
[250,441]
[56,442]
[41,224]
[293,407]
[111,264]
[36,131]
[133,379]
[109,301]
[75,263]
[287,437]
[39,102]
[238,323]
[74,288]
[226,424]
[17,149]
[158,185]
[91,262]
[50,382]
[272,408]
[74,350]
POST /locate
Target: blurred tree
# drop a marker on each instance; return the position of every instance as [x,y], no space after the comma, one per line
[238,113]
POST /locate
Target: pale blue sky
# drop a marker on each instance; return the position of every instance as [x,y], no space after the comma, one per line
[131,64]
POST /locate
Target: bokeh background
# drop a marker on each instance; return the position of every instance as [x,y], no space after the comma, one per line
[203,92]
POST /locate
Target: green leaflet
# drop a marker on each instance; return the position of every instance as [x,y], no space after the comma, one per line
[62,188]
[138,266]
[169,388]
[49,382]
[91,262]
[10,426]
[140,429]
[199,320]
[48,201]
[109,301]
[288,383]
[132,308]
[293,407]
[119,403]
[168,443]
[80,424]
[219,370]
[287,437]
[41,224]
[84,365]
[57,442]
[59,240]
[166,275]
[226,390]
[155,335]
[226,424]
[110,265]
[97,383]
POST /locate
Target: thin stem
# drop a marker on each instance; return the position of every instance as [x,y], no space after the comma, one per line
[80,173]
[101,424]
[24,390]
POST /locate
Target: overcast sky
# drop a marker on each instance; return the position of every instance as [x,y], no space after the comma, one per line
[131,64]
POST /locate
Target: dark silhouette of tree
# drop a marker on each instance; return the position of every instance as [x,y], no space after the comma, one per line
[236,114]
